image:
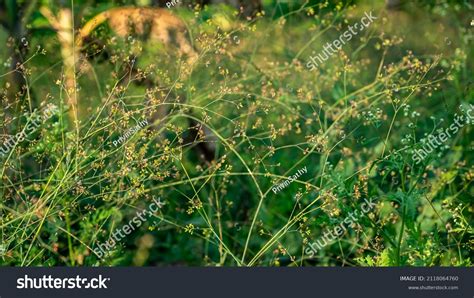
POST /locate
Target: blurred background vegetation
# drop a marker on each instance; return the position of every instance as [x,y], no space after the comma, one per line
[227,128]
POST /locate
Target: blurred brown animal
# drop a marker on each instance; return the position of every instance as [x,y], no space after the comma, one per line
[157,24]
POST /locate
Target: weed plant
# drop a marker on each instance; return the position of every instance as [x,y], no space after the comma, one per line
[353,123]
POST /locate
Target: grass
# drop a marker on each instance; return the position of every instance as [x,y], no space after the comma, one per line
[353,123]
